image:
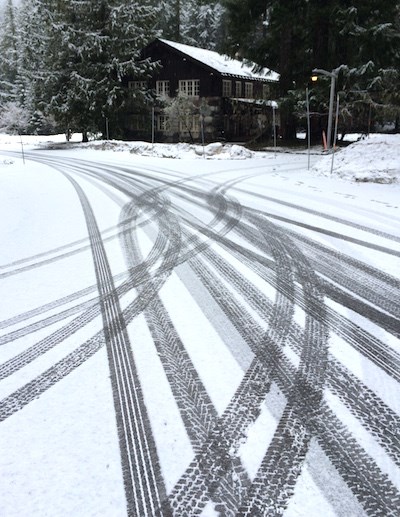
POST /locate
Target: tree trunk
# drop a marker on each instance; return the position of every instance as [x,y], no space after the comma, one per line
[85,136]
[288,123]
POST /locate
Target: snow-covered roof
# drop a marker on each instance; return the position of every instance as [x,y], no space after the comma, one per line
[224,64]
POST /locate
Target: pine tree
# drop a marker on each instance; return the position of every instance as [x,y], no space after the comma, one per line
[245,26]
[33,20]
[202,24]
[371,73]
[84,51]
[193,22]
[169,18]
[8,55]
[359,40]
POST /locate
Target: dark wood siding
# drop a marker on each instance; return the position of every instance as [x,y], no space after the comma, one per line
[223,116]
[176,66]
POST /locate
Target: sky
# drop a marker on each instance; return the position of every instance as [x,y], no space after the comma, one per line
[3,3]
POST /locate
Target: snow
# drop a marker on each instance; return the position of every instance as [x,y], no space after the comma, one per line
[224,64]
[59,454]
[375,158]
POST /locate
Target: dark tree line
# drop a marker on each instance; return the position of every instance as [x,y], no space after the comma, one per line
[62,64]
[359,39]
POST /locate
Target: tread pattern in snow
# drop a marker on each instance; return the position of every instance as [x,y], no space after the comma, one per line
[192,221]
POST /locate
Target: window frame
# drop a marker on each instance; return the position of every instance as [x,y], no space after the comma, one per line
[248,90]
[238,89]
[162,122]
[137,85]
[226,88]
[163,88]
[189,87]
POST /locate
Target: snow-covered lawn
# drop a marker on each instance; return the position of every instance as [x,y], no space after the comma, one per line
[203,253]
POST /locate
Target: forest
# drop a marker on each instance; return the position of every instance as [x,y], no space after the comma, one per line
[63,64]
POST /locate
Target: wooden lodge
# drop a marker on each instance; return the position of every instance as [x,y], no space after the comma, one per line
[200,94]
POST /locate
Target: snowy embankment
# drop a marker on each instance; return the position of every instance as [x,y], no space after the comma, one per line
[373,159]
[215,150]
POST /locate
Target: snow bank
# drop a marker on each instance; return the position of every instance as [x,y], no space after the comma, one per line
[373,159]
[214,150]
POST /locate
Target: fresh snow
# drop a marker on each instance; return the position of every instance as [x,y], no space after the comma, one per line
[376,158]
[59,454]
[224,64]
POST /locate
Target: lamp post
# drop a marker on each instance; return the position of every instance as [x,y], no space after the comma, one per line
[333,76]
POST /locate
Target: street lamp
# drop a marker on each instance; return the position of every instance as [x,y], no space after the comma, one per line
[333,76]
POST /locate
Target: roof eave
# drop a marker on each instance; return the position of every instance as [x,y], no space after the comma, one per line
[249,78]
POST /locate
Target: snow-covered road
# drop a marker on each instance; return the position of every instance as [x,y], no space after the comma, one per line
[197,337]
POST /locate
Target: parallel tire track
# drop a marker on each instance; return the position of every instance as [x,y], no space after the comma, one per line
[142,477]
[304,274]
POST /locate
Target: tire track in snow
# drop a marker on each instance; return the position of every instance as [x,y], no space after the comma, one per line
[328,217]
[186,386]
[367,344]
[357,468]
[347,453]
[367,407]
[144,486]
[196,408]
[61,334]
[218,454]
[336,235]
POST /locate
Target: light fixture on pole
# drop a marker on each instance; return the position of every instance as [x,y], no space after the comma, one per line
[333,75]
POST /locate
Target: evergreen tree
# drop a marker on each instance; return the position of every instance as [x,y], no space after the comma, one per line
[371,73]
[169,18]
[359,39]
[271,33]
[33,21]
[8,55]
[202,24]
[85,49]
[198,23]
[245,26]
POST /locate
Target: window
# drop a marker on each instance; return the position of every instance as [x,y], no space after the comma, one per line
[248,90]
[162,88]
[226,88]
[266,91]
[238,87]
[137,85]
[162,123]
[190,87]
